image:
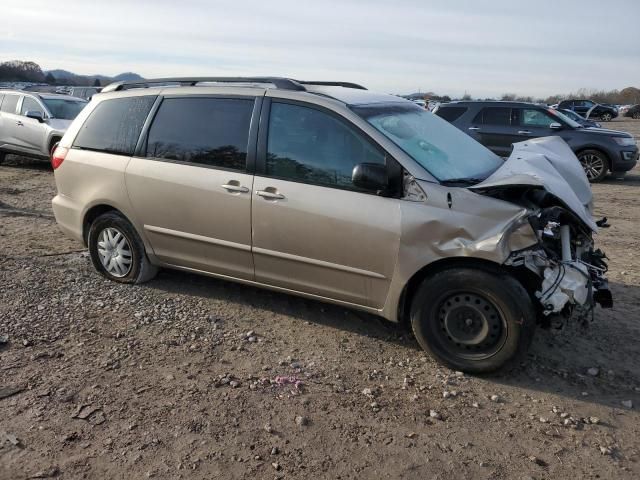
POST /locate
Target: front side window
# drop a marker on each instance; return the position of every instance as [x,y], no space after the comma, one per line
[532,117]
[440,148]
[9,103]
[114,125]
[30,105]
[64,109]
[311,146]
[204,131]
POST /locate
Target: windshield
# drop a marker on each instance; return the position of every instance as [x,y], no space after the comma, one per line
[444,151]
[64,109]
[565,118]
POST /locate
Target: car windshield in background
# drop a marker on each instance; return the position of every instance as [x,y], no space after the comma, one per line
[444,151]
[565,118]
[64,109]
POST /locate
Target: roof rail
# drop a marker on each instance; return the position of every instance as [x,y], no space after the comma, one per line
[332,84]
[278,82]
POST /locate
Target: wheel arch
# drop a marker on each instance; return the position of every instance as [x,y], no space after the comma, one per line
[412,285]
[94,212]
[597,148]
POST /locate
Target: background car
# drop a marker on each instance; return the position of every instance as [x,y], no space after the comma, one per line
[633,112]
[498,125]
[576,117]
[589,109]
[32,123]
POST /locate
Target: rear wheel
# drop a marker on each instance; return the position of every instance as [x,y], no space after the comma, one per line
[595,164]
[117,251]
[473,319]
[2,155]
[636,115]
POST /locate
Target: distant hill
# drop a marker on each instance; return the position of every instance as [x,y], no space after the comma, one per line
[30,72]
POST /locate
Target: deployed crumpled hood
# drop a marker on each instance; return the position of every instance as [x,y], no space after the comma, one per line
[547,162]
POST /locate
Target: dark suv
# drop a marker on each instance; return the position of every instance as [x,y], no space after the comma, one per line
[498,125]
[589,109]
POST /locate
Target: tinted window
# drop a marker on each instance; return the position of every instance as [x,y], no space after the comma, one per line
[9,104]
[532,117]
[206,131]
[311,146]
[114,125]
[450,113]
[30,105]
[496,116]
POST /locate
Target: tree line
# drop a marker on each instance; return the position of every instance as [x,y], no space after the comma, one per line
[21,71]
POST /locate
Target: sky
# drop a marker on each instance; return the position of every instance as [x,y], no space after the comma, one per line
[484,48]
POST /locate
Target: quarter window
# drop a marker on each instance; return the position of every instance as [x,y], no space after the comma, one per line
[30,105]
[9,104]
[310,146]
[203,131]
[114,125]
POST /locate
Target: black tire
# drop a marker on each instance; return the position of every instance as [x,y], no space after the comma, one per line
[635,115]
[453,305]
[595,164]
[139,269]
[2,155]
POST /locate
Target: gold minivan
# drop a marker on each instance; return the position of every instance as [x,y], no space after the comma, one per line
[332,192]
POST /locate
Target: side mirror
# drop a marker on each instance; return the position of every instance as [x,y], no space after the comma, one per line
[36,115]
[555,126]
[371,176]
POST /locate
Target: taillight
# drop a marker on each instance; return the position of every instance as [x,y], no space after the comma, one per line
[58,156]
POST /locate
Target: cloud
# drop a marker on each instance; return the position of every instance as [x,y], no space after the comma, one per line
[485,48]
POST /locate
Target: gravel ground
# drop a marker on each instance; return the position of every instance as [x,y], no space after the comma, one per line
[191,377]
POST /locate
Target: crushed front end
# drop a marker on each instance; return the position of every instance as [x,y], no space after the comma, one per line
[568,270]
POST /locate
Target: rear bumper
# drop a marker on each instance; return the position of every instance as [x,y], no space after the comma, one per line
[69,216]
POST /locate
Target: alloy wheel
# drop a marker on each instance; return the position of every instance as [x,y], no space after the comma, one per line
[114,251]
[593,165]
[606,117]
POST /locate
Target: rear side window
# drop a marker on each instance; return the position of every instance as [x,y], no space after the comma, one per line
[114,125]
[9,104]
[310,146]
[451,113]
[494,116]
[204,131]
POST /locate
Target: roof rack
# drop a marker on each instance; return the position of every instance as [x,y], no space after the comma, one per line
[279,82]
[332,84]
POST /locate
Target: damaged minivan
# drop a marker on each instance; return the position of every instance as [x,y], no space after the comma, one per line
[335,193]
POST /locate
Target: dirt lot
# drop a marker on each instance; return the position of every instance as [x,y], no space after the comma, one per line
[190,377]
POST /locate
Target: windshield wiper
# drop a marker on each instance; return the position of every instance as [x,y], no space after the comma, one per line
[461,181]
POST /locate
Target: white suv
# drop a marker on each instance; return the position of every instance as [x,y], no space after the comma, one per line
[32,123]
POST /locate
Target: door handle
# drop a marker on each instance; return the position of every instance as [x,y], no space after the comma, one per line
[19,123]
[269,195]
[524,132]
[230,187]
[474,128]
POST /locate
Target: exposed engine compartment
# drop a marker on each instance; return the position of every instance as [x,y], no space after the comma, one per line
[570,269]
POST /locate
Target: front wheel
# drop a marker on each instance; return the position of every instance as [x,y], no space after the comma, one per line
[117,251]
[595,164]
[636,115]
[472,319]
[606,117]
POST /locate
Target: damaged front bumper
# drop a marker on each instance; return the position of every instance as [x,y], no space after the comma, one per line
[572,272]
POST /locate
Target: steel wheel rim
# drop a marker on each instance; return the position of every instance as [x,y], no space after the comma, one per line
[114,251]
[471,326]
[592,164]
